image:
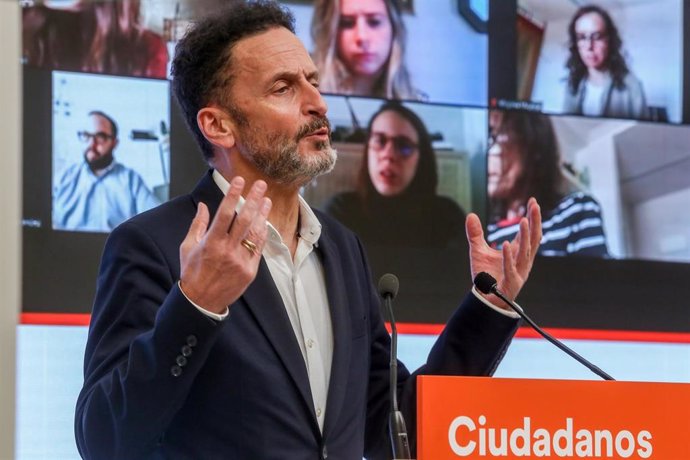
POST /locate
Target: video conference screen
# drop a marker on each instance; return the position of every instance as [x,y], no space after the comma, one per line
[438,108]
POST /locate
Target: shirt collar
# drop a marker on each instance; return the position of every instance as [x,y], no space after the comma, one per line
[309,225]
[103,171]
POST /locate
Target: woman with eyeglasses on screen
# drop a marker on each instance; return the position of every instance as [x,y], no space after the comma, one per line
[599,81]
[523,162]
[360,49]
[395,203]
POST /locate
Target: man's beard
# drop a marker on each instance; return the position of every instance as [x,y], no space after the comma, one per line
[100,162]
[277,155]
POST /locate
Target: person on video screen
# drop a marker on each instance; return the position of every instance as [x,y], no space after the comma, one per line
[99,193]
[395,203]
[599,80]
[360,49]
[523,162]
[92,36]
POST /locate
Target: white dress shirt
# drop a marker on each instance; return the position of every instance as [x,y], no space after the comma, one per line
[302,287]
[301,283]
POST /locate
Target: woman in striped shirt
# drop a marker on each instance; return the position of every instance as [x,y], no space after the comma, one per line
[523,162]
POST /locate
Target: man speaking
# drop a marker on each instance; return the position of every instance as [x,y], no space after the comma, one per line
[236,322]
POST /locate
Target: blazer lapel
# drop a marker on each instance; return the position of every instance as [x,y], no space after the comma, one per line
[263,300]
[207,192]
[340,319]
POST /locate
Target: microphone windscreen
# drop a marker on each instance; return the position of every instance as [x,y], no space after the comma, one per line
[388,285]
[484,282]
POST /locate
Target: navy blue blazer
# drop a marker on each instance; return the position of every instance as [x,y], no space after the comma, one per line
[162,380]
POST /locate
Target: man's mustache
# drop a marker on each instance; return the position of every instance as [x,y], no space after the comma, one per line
[310,128]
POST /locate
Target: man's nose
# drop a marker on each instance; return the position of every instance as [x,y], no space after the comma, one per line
[314,103]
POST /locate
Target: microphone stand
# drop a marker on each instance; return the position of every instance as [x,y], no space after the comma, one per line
[487,284]
[396,423]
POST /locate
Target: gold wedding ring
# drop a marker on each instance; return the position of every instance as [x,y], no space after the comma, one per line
[251,247]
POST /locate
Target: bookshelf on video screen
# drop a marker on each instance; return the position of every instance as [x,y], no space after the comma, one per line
[438,108]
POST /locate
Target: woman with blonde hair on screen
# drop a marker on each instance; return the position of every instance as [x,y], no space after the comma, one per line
[359,48]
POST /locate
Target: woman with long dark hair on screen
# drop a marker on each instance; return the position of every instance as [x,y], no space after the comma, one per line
[405,227]
[524,161]
[395,203]
[92,36]
[359,49]
[600,82]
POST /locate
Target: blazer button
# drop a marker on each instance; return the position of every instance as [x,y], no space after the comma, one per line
[186,351]
[181,361]
[191,341]
[176,371]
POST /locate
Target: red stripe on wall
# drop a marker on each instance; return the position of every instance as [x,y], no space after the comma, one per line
[623,336]
[82,319]
[56,319]
[565,334]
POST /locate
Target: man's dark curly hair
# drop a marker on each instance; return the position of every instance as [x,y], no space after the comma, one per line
[615,62]
[202,69]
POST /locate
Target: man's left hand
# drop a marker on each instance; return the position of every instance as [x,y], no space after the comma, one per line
[512,264]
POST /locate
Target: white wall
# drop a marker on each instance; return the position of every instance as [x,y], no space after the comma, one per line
[660,234]
[10,237]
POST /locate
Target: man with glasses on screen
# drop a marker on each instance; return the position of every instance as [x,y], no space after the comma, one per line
[99,193]
[236,321]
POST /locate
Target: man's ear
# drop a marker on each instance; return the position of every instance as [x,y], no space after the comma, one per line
[216,126]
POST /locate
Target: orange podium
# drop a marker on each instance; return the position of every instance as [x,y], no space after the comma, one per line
[484,417]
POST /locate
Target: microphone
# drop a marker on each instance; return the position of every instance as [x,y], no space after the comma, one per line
[388,289]
[487,285]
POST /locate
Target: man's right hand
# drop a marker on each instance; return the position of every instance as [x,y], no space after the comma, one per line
[216,266]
